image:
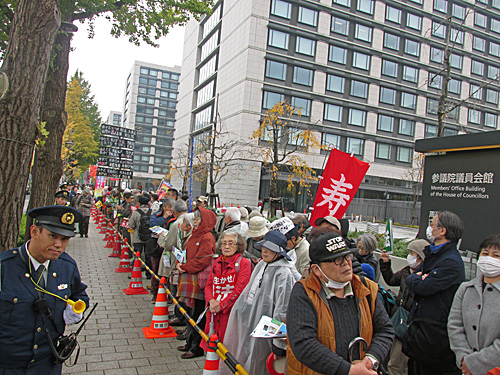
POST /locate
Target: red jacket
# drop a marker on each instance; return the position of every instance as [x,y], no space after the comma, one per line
[201,244]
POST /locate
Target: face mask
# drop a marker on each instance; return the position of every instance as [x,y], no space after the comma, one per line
[428,232]
[331,283]
[489,266]
[412,261]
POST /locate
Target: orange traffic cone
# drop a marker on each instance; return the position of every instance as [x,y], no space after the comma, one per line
[212,362]
[116,248]
[104,225]
[110,238]
[124,265]
[136,280]
[160,326]
[98,219]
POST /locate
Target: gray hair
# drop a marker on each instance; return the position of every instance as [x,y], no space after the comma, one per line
[179,206]
[452,223]
[240,241]
[369,242]
[188,219]
[168,201]
[234,213]
[301,219]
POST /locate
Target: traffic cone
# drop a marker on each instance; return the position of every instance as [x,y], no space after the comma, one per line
[212,362]
[104,225]
[136,280]
[116,248]
[160,326]
[124,265]
[98,220]
[111,238]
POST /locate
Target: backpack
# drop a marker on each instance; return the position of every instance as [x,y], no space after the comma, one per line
[144,232]
[387,297]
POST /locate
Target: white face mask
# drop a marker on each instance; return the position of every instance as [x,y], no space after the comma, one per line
[489,266]
[332,283]
[428,232]
[412,261]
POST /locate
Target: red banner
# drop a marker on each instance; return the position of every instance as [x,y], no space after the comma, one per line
[340,182]
[93,171]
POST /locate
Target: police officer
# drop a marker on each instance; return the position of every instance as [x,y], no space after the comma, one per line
[36,279]
[62,197]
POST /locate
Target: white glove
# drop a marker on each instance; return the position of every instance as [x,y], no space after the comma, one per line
[71,317]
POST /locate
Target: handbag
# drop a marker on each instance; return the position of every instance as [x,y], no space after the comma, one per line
[400,319]
[203,275]
[426,341]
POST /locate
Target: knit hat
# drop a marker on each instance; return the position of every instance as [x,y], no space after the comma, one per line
[257,227]
[418,247]
[368,270]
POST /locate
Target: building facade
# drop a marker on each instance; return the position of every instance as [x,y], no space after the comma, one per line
[150,107]
[366,74]
[114,118]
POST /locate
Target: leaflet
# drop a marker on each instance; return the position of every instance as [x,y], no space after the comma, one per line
[269,328]
[179,254]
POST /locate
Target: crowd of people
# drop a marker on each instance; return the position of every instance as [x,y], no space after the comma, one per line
[238,267]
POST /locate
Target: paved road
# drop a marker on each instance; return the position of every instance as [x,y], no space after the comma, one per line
[112,341]
[398,231]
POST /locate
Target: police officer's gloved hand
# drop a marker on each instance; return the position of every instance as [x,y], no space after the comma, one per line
[71,317]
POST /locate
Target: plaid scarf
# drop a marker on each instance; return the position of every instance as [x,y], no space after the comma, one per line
[188,289]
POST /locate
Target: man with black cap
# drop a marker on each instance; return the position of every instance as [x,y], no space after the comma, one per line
[36,280]
[62,197]
[331,308]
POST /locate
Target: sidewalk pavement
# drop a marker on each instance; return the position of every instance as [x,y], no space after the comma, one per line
[112,341]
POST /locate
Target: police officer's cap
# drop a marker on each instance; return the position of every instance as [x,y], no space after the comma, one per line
[62,194]
[63,186]
[57,219]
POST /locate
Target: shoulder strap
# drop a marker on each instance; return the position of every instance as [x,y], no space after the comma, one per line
[238,263]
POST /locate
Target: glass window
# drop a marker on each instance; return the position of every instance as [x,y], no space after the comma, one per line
[448,131]
[357,117]
[495,25]
[477,68]
[165,75]
[413,21]
[144,70]
[174,76]
[340,26]
[476,92]
[479,44]
[330,140]
[438,29]
[437,55]
[302,76]
[304,105]
[412,47]
[387,96]
[458,11]
[271,99]
[308,16]
[435,81]
[495,49]
[305,46]
[441,5]
[333,112]
[417,1]
[404,154]
[337,55]
[346,3]
[495,4]
[457,36]
[365,6]
[490,120]
[480,20]
[206,70]
[407,127]
[363,33]
[385,123]
[389,68]
[210,45]
[278,39]
[335,83]
[354,146]
[492,96]
[391,41]
[493,72]
[383,151]
[392,14]
[456,61]
[410,74]
[359,89]
[454,86]
[361,61]
[431,131]
[408,100]
[275,70]
[432,106]
[474,116]
[281,9]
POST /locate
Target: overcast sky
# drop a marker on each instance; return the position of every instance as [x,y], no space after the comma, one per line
[106,61]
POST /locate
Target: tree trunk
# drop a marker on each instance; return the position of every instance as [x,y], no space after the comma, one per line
[26,63]
[48,166]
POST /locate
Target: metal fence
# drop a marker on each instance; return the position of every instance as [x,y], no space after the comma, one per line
[370,209]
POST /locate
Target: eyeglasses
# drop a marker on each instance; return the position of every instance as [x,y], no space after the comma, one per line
[229,243]
[340,260]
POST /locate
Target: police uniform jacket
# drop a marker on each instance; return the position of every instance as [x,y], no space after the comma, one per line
[23,341]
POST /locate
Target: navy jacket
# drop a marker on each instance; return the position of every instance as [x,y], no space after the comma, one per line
[434,295]
[23,341]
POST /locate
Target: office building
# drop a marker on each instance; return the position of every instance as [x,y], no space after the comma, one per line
[114,118]
[366,74]
[150,108]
